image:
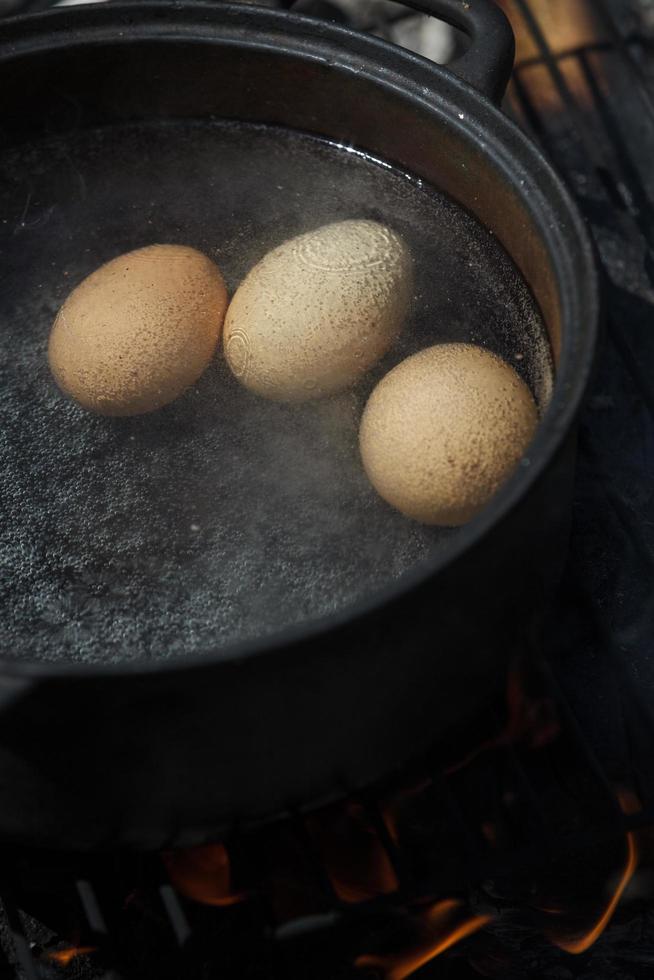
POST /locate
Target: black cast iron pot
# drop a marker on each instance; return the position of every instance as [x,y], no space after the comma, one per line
[174,753]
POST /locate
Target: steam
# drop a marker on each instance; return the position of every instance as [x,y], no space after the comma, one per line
[223,516]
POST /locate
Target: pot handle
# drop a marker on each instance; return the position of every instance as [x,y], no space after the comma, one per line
[488,61]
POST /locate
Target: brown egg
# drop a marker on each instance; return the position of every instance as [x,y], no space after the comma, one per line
[443,431]
[139,330]
[319,311]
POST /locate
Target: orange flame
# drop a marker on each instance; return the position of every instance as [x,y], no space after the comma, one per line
[583,943]
[532,721]
[630,804]
[400,966]
[566,26]
[354,855]
[203,874]
[489,832]
[565,29]
[64,957]
[391,809]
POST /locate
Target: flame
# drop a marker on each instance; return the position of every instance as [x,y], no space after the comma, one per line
[489,832]
[531,721]
[583,943]
[353,853]
[400,966]
[549,36]
[566,26]
[392,808]
[629,803]
[64,957]
[203,874]
[436,915]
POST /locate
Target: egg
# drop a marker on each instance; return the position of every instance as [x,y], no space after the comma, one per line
[318,311]
[139,330]
[443,430]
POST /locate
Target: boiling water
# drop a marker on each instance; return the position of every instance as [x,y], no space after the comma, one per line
[222,516]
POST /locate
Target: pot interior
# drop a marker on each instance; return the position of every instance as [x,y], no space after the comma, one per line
[225,517]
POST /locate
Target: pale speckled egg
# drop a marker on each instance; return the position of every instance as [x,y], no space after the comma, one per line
[443,430]
[319,310]
[139,330]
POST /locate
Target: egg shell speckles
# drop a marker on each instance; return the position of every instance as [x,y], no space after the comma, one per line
[139,330]
[443,431]
[318,311]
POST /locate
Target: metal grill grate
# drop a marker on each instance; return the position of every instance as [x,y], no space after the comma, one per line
[592,109]
[543,798]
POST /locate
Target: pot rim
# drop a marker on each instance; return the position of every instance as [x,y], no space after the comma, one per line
[441,94]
